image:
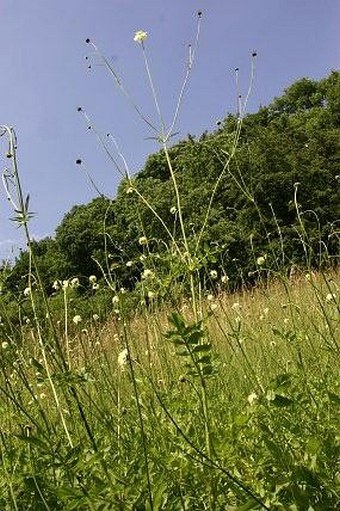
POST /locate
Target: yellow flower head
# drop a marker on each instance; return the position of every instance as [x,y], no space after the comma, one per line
[140,36]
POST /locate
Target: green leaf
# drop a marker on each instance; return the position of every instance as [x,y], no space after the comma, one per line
[282,401]
[201,347]
[248,506]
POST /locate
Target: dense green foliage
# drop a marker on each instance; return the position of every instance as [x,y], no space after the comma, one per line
[280,189]
[237,411]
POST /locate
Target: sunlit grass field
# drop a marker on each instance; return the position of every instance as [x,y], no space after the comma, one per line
[159,410]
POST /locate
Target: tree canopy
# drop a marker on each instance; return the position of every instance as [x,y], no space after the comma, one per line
[278,195]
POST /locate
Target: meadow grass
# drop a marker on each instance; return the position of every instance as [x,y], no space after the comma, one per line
[133,434]
[221,401]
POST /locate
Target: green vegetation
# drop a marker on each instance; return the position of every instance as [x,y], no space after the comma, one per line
[285,169]
[177,347]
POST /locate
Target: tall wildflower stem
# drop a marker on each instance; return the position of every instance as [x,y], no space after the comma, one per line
[119,83]
[21,209]
[154,94]
[140,416]
[242,109]
[66,324]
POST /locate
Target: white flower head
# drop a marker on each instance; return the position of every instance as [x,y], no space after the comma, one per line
[4,345]
[213,274]
[95,317]
[129,264]
[330,297]
[224,279]
[77,319]
[151,294]
[56,285]
[140,36]
[92,279]
[115,299]
[143,240]
[210,298]
[252,398]
[261,260]
[95,286]
[123,358]
[27,291]
[74,283]
[65,284]
[147,274]
[173,210]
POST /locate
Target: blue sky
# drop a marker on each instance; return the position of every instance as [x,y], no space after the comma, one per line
[44,77]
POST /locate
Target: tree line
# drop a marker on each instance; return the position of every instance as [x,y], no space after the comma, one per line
[273,187]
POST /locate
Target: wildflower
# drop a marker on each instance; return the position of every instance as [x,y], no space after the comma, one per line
[140,36]
[123,358]
[95,286]
[261,260]
[130,190]
[142,258]
[330,297]
[95,317]
[42,395]
[129,264]
[65,284]
[115,299]
[56,285]
[213,274]
[210,298]
[147,274]
[143,240]
[252,398]
[173,210]
[224,279]
[151,294]
[92,279]
[4,345]
[77,319]
[213,306]
[74,283]
[122,290]
[27,291]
